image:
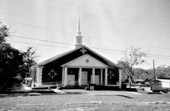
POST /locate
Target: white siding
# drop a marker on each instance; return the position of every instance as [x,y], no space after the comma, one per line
[86,61]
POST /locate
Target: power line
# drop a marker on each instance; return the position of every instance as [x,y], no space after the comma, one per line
[109,40]
[125,14]
[83,13]
[148,55]
[84,35]
[61,43]
[73,45]
[24,37]
[158,57]
[108,49]
[37,44]
[90,38]
[117,51]
[34,26]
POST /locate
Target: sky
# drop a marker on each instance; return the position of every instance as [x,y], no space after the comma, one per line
[108,27]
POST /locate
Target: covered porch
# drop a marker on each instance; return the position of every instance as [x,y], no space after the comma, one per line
[82,76]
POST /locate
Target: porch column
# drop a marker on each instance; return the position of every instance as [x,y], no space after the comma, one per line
[106,70]
[93,76]
[120,78]
[33,72]
[101,77]
[80,76]
[39,75]
[65,76]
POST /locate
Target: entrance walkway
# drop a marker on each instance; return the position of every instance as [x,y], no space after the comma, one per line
[102,92]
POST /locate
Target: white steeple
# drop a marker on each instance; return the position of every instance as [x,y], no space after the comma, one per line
[78,34]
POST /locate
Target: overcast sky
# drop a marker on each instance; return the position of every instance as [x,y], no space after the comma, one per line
[107,26]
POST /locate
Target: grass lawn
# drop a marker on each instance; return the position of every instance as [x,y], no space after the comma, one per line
[80,100]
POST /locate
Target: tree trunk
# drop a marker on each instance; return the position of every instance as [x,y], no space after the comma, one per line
[130,82]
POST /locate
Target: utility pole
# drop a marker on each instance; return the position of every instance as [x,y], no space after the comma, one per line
[155,85]
[154,69]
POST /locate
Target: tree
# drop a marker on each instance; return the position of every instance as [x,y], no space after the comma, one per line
[132,57]
[4,32]
[10,60]
[140,73]
[162,71]
[167,70]
[125,71]
[28,61]
[13,62]
[150,74]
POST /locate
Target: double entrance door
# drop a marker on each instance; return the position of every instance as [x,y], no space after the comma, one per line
[84,80]
[87,77]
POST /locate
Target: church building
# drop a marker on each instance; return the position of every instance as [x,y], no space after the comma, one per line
[78,67]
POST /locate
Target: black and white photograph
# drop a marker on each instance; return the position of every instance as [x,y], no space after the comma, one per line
[84,55]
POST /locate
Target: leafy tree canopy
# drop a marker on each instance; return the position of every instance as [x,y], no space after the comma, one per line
[4,32]
[13,62]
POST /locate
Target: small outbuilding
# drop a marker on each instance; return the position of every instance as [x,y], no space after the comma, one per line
[165,83]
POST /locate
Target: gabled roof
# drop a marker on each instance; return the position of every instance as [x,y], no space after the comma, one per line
[42,63]
[110,63]
[75,53]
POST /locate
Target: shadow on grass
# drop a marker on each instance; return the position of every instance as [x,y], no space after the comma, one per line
[125,96]
[118,95]
[75,93]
